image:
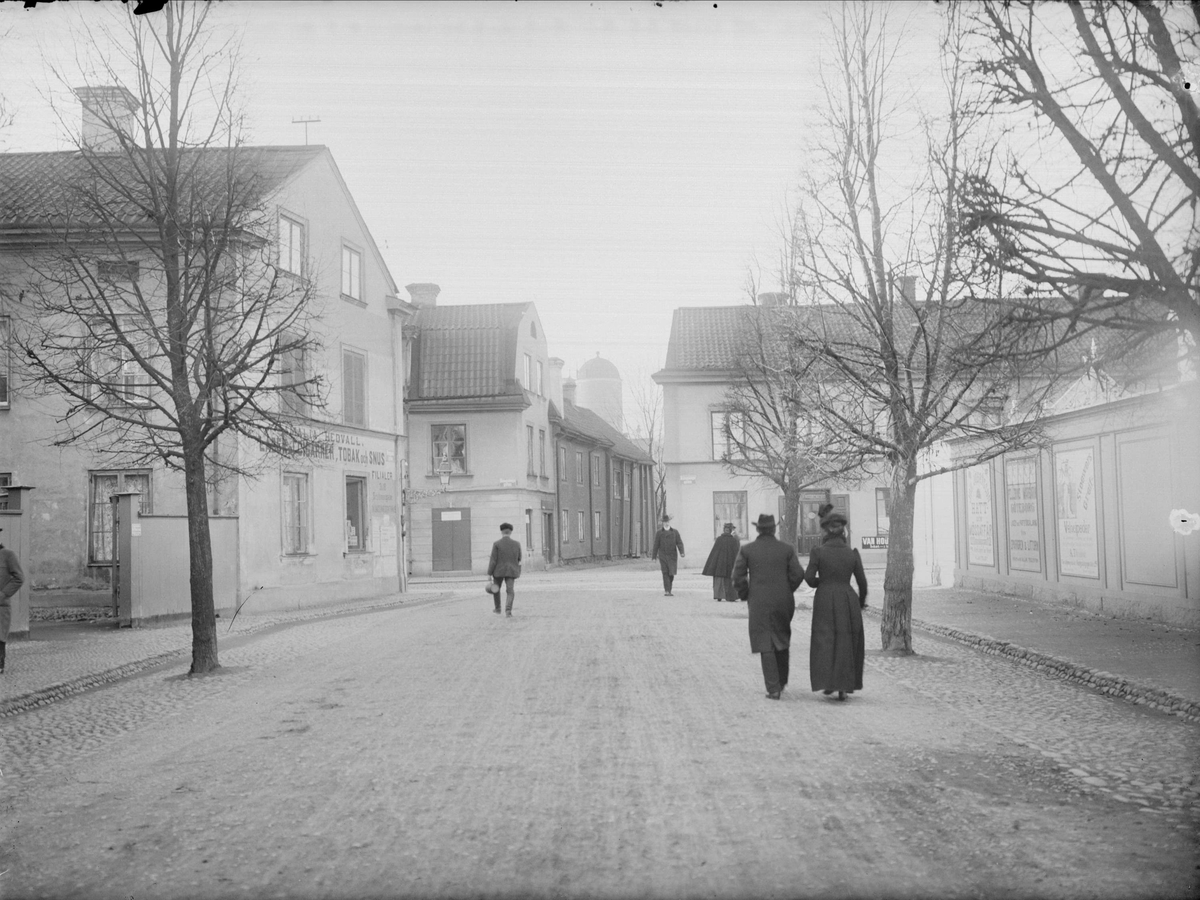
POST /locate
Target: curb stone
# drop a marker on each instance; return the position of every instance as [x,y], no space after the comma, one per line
[64,689]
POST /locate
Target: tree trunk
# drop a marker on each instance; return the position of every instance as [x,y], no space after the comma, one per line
[204,619]
[791,513]
[896,625]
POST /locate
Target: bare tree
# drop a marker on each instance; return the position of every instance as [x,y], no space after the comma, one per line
[894,372]
[157,310]
[647,422]
[1093,200]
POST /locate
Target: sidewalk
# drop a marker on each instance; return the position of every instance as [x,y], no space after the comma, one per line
[1143,662]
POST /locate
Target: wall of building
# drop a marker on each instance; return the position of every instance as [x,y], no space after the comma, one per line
[1086,522]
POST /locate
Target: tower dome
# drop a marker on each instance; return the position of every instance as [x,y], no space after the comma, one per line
[599,389]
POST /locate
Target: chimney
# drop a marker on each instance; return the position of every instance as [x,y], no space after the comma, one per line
[568,390]
[772,299]
[908,287]
[554,382]
[423,293]
[107,113]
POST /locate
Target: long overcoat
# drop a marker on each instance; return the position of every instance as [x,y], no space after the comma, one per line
[668,544]
[11,579]
[722,557]
[838,647]
[766,574]
[505,561]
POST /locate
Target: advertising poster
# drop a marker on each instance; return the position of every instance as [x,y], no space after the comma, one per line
[1024,539]
[980,544]
[1075,506]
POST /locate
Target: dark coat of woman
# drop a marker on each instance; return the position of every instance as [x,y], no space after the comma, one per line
[835,658]
[721,559]
[766,574]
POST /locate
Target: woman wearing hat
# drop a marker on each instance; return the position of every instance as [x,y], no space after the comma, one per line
[720,564]
[766,574]
[835,657]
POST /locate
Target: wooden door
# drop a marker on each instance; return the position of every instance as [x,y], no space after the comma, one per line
[452,539]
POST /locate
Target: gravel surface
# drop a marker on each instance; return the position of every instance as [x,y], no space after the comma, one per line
[604,742]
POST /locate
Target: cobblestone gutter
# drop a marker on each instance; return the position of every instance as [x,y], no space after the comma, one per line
[1104,682]
[60,691]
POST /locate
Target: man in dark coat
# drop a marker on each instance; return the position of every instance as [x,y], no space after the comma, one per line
[720,565]
[11,579]
[766,574]
[667,548]
[504,567]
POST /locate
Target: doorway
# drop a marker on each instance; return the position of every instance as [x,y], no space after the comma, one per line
[452,540]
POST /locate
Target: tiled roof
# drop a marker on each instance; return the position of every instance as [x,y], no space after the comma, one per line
[583,421]
[467,351]
[39,188]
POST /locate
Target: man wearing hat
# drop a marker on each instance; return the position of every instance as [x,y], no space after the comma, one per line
[720,564]
[504,567]
[667,548]
[11,579]
[766,574]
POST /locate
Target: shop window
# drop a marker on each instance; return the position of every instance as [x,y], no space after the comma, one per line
[356,513]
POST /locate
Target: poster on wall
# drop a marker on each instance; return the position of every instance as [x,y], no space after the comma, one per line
[980,545]
[1075,505]
[1024,536]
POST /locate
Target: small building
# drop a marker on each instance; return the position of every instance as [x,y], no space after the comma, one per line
[479,418]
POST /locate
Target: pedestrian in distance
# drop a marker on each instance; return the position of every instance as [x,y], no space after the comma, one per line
[11,579]
[667,548]
[504,567]
[838,648]
[720,564]
[766,575]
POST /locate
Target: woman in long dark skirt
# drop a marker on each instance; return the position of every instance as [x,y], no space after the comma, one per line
[835,657]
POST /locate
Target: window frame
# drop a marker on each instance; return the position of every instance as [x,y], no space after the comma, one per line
[299,518]
[145,505]
[579,467]
[596,532]
[717,420]
[292,402]
[527,382]
[566,525]
[883,494]
[529,450]
[562,463]
[596,470]
[449,443]
[349,353]
[357,484]
[541,376]
[6,480]
[582,525]
[295,254]
[354,289]
[541,452]
[5,362]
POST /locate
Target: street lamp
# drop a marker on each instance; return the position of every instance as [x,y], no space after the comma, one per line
[445,467]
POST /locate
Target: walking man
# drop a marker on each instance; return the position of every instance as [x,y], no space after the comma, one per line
[667,548]
[720,564]
[504,567]
[11,579]
[766,574]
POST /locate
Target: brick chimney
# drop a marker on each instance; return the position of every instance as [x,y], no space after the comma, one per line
[107,113]
[554,382]
[568,390]
[907,285]
[423,294]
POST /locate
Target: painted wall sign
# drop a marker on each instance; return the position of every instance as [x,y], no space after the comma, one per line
[879,542]
[1075,506]
[1024,534]
[980,543]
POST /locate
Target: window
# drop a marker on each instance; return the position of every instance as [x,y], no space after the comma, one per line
[5,359]
[617,480]
[579,467]
[529,529]
[293,379]
[295,513]
[562,463]
[595,470]
[529,450]
[351,273]
[565,518]
[449,442]
[528,382]
[883,510]
[117,270]
[725,446]
[100,512]
[113,372]
[291,246]
[596,525]
[540,379]
[542,452]
[5,481]
[582,526]
[354,388]
[730,506]
[356,513]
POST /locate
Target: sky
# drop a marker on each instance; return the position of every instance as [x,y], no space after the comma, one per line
[610,162]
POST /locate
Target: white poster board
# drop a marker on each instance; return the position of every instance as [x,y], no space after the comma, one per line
[1075,507]
[980,543]
[1024,534]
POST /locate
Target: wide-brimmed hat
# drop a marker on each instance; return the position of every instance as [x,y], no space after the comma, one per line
[833,519]
[728,527]
[666,518]
[765,521]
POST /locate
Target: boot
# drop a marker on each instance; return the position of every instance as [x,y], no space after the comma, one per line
[3,646]
[508,608]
